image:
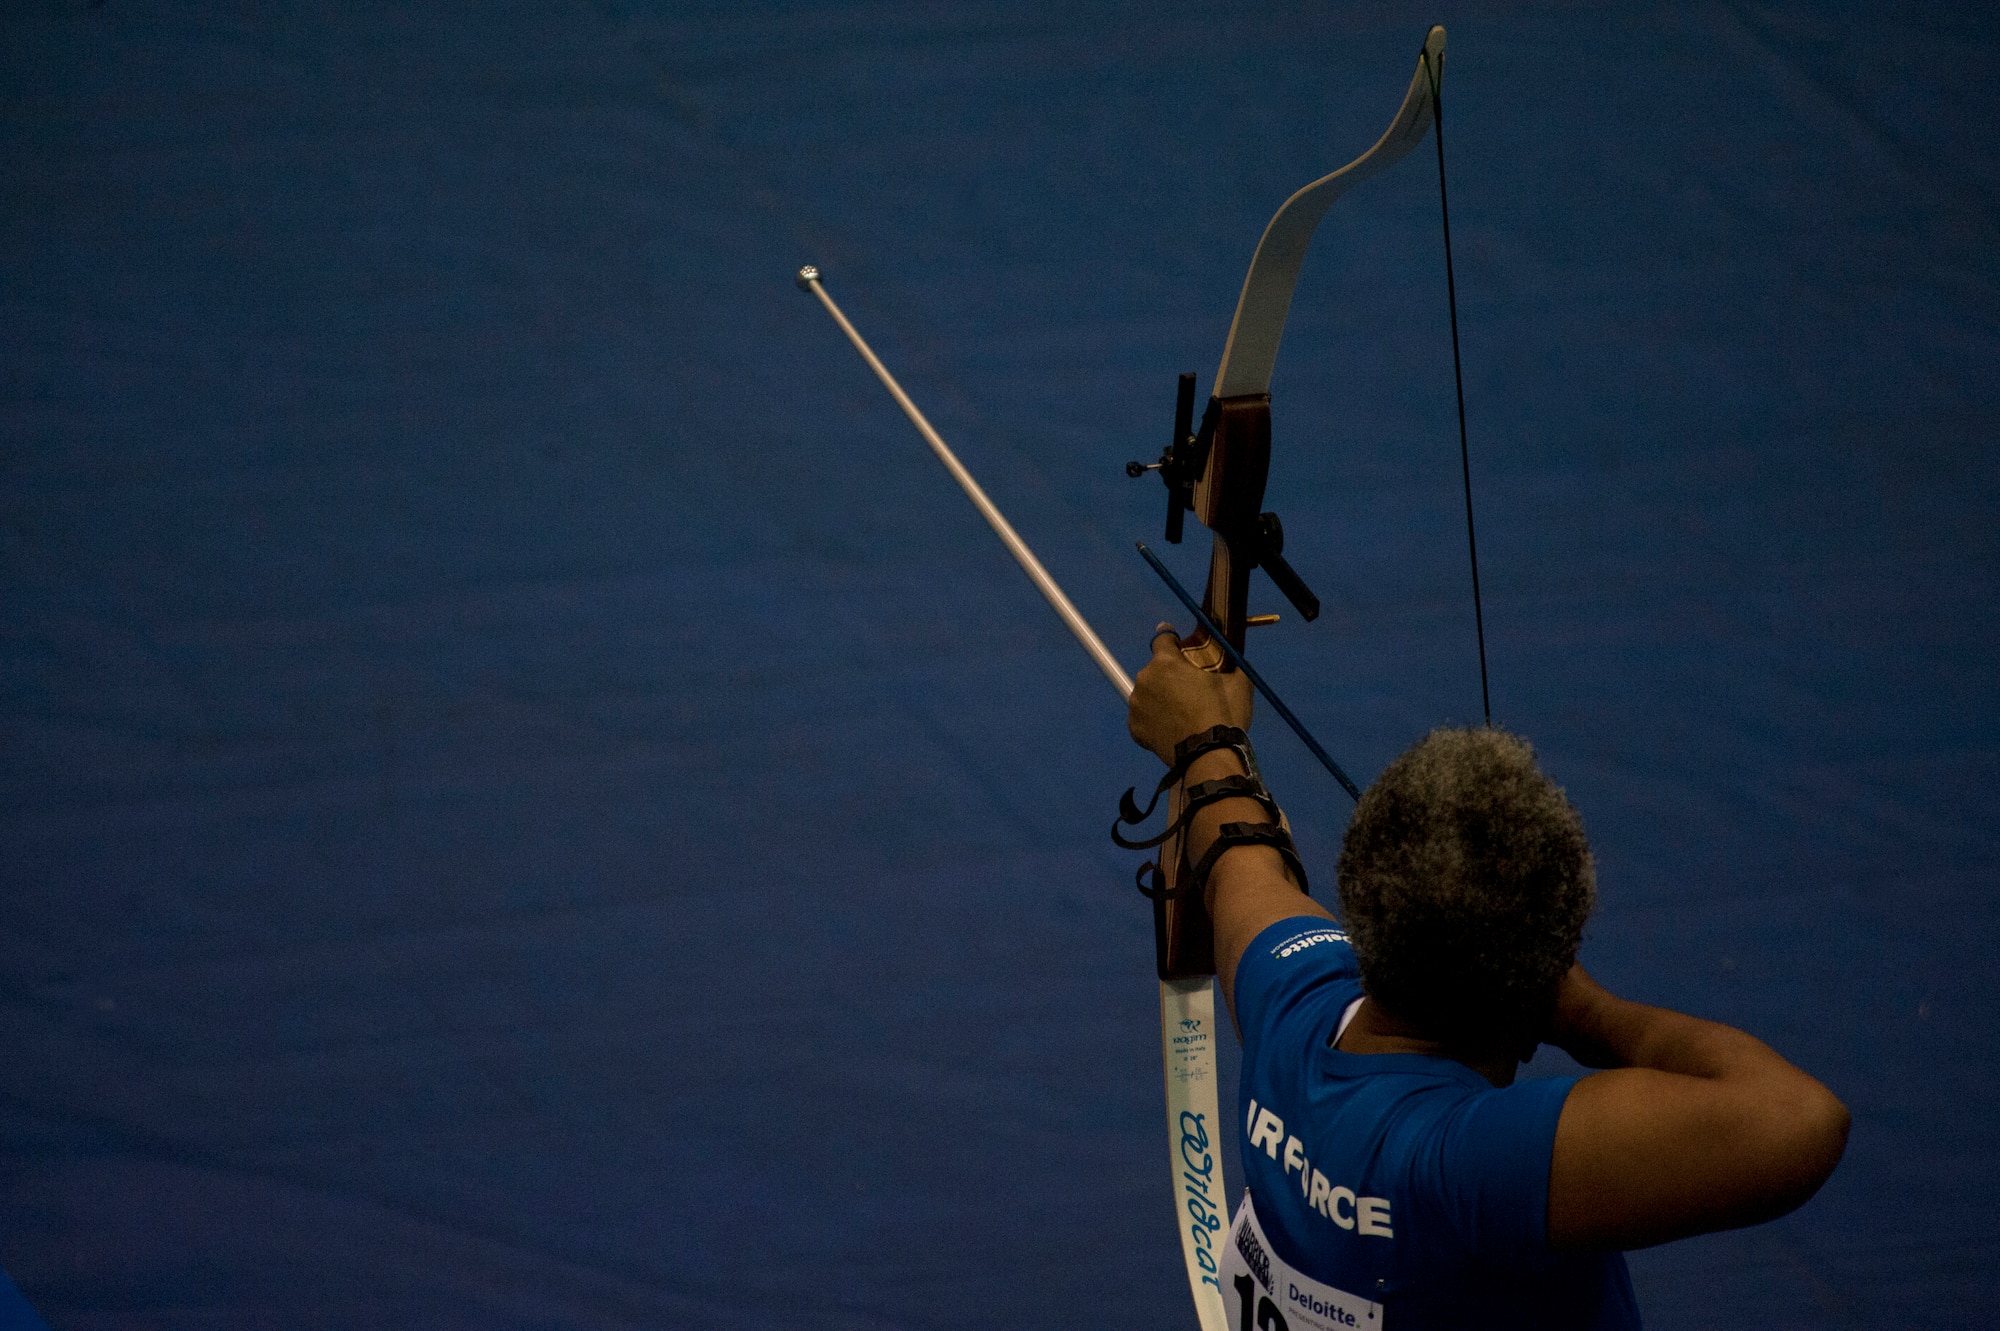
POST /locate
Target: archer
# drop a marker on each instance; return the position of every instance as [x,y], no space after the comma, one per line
[1394,1163]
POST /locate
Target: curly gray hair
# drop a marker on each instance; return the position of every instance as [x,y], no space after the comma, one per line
[1465,880]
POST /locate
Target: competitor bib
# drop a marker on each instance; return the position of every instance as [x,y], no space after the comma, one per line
[1264,1294]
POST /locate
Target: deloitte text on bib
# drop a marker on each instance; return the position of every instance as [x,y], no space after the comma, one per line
[1263,1294]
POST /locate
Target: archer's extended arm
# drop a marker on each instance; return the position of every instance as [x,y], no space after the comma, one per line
[1250,887]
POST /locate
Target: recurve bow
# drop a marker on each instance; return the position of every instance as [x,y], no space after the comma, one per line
[1217,471]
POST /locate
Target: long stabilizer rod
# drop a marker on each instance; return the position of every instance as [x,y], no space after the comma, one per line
[809,280]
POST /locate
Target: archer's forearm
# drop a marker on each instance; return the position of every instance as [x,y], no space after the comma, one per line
[1601,1030]
[1623,1034]
[1207,822]
[1249,888]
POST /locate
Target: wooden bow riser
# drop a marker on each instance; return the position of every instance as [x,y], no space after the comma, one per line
[1228,501]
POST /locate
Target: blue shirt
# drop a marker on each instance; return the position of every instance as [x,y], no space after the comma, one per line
[1405,1179]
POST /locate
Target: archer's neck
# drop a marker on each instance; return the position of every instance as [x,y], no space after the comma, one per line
[1376,1030]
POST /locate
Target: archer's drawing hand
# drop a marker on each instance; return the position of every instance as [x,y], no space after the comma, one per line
[1578,1022]
[1172,698]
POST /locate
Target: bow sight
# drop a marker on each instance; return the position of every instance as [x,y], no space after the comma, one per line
[1254,539]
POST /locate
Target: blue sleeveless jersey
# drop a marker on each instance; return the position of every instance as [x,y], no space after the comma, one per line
[1407,1180]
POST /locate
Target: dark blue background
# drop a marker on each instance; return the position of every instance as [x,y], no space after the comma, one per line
[527,799]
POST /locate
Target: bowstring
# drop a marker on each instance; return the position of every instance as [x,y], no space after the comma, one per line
[1458,379]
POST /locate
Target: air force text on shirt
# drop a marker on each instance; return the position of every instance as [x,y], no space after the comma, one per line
[1368,1216]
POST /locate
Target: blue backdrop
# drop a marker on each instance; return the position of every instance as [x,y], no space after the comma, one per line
[527,799]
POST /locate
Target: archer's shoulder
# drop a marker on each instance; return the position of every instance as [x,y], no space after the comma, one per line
[1290,967]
